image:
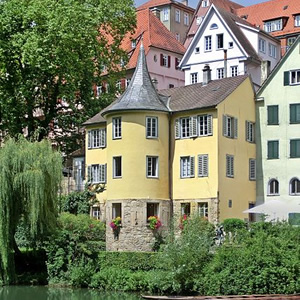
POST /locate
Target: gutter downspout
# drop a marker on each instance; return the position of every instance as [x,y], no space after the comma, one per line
[225,63]
[170,166]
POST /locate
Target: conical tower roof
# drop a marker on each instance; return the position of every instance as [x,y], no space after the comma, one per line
[141,93]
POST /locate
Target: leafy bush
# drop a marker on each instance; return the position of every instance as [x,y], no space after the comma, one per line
[73,248]
[233,225]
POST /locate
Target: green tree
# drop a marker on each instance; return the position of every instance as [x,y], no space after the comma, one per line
[30,176]
[51,54]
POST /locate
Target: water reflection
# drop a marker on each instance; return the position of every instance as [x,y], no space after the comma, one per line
[45,293]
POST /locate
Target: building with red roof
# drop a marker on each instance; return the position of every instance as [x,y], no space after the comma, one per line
[280,18]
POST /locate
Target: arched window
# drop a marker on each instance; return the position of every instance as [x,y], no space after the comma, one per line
[213,26]
[273,187]
[295,187]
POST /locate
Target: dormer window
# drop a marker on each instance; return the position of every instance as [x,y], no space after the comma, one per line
[133,44]
[198,20]
[205,3]
[274,25]
[297,21]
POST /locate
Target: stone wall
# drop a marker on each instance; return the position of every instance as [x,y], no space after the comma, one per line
[135,234]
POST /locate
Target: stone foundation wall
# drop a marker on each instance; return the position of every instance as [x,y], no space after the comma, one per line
[135,234]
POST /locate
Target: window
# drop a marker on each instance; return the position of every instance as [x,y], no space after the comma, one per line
[171,86]
[194,78]
[252,169]
[187,166]
[295,187]
[204,125]
[213,26]
[294,113]
[234,71]
[177,15]
[165,14]
[205,3]
[151,127]
[297,21]
[230,126]
[152,166]
[273,149]
[230,203]
[230,45]
[152,210]
[250,131]
[262,45]
[97,138]
[293,77]
[116,210]
[229,166]
[133,44]
[220,43]
[273,115]
[274,25]
[203,209]
[272,50]
[197,50]
[290,41]
[186,20]
[207,44]
[177,36]
[97,173]
[117,167]
[165,60]
[99,90]
[203,165]
[198,20]
[295,148]
[220,73]
[185,127]
[273,187]
[185,209]
[96,213]
[117,128]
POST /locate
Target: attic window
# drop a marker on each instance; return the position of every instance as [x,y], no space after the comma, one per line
[274,25]
[133,44]
[197,50]
[214,26]
[285,7]
[205,3]
[198,20]
[297,21]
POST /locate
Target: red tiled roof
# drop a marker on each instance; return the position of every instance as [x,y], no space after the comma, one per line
[156,3]
[154,34]
[275,9]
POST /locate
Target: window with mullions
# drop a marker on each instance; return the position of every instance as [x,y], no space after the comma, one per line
[151,127]
[97,173]
[274,25]
[96,213]
[220,73]
[203,210]
[234,71]
[262,45]
[250,131]
[207,43]
[230,126]
[273,115]
[152,166]
[117,128]
[187,166]
[185,127]
[295,113]
[273,187]
[194,78]
[204,125]
[177,15]
[96,138]
[295,187]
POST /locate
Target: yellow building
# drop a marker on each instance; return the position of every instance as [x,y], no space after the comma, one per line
[184,150]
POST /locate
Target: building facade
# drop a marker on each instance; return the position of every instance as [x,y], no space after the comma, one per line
[278,133]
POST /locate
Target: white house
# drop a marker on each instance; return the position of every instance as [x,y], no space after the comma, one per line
[230,46]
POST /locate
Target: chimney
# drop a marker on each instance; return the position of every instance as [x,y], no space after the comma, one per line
[265,70]
[206,75]
[225,63]
[185,2]
[156,12]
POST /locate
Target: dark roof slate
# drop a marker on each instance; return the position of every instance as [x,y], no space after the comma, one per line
[141,93]
[197,96]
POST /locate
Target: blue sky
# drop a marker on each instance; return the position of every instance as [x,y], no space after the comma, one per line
[193,3]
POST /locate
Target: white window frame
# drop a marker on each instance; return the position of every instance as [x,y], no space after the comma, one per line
[194,77]
[177,36]
[252,169]
[250,132]
[230,127]
[229,166]
[98,90]
[205,123]
[203,165]
[165,14]
[177,15]
[297,21]
[220,37]
[262,45]
[274,25]
[234,71]
[296,74]
[165,60]
[117,128]
[185,127]
[198,20]
[153,206]
[116,210]
[294,181]
[151,127]
[97,173]
[273,181]
[220,73]
[186,20]
[115,166]
[272,50]
[207,43]
[97,138]
[152,166]
[187,166]
[205,3]
[203,210]
[96,212]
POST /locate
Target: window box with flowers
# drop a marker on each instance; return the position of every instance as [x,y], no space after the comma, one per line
[154,222]
[116,225]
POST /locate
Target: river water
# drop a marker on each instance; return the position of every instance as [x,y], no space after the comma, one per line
[49,293]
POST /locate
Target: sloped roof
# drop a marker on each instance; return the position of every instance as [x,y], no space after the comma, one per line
[96,119]
[157,3]
[154,33]
[275,9]
[197,96]
[140,94]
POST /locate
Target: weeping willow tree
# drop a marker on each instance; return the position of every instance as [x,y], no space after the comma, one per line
[30,175]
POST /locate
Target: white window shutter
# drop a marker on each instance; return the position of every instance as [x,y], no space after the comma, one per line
[193,126]
[232,166]
[225,125]
[105,172]
[192,166]
[177,129]
[209,125]
[235,128]
[205,165]
[247,131]
[89,139]
[90,179]
[103,138]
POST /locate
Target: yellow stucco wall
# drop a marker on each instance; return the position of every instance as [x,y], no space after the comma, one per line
[134,147]
[197,187]
[240,189]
